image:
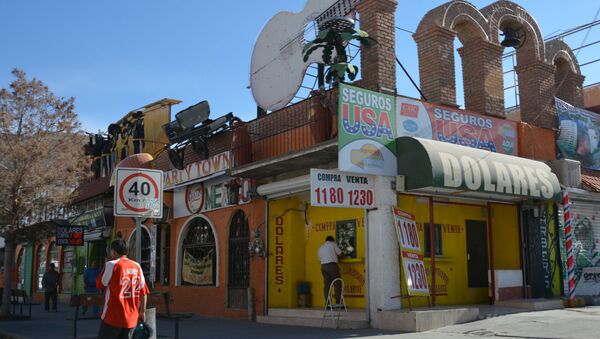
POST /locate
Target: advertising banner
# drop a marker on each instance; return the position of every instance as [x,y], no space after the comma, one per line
[429,121]
[332,188]
[197,271]
[411,253]
[578,135]
[366,132]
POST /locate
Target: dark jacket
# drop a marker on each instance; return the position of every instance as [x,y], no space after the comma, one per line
[50,281]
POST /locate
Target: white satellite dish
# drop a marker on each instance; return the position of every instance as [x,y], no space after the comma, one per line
[277,67]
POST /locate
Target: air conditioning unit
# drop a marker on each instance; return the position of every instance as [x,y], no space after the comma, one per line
[568,172]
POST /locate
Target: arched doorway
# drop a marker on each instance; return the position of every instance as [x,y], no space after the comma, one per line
[238,279]
[146,250]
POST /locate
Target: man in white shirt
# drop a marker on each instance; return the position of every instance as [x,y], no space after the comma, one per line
[328,257]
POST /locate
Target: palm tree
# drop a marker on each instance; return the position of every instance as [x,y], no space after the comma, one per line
[335,41]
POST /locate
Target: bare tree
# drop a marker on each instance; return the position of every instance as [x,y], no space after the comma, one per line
[41,162]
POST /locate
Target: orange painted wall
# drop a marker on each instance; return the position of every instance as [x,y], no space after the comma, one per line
[536,143]
[211,300]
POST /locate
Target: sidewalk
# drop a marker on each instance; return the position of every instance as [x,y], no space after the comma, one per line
[60,325]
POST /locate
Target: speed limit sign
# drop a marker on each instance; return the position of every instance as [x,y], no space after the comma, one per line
[139,193]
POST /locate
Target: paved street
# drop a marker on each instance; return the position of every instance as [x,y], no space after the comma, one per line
[579,323]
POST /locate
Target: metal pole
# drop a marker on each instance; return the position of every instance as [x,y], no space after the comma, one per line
[491,247]
[432,241]
[138,240]
[367,273]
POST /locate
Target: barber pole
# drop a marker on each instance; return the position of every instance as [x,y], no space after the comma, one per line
[569,239]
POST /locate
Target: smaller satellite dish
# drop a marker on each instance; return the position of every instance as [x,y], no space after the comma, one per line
[193,115]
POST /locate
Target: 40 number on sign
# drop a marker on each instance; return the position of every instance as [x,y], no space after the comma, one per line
[336,196]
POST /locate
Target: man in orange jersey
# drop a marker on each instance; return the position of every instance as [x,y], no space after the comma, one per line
[125,294]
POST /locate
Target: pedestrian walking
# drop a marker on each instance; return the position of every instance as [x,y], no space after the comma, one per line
[125,294]
[89,281]
[50,282]
[329,253]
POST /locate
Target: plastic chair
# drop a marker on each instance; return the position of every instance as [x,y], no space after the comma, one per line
[334,310]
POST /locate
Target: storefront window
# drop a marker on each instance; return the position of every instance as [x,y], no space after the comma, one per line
[54,256]
[41,269]
[345,233]
[239,261]
[438,240]
[21,269]
[199,259]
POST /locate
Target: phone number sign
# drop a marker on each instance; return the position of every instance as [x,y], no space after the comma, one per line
[411,253]
[139,193]
[332,188]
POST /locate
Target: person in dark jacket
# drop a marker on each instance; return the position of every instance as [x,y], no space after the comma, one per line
[89,280]
[50,282]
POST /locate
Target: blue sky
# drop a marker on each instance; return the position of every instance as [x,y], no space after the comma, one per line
[114,56]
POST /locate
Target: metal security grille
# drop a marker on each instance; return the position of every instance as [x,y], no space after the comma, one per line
[239,263]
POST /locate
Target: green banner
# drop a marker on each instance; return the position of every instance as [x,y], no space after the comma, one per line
[366,131]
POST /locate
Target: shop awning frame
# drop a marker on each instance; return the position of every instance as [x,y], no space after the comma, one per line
[435,167]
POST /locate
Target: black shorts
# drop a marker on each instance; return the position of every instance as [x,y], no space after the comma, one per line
[111,332]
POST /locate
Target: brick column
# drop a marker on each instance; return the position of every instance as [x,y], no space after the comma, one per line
[536,94]
[569,87]
[436,65]
[483,79]
[378,63]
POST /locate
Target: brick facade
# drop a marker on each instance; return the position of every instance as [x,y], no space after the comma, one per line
[378,63]
[542,73]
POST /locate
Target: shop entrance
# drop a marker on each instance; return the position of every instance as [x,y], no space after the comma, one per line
[477,256]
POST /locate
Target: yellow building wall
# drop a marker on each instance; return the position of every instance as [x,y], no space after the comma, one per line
[296,231]
[451,267]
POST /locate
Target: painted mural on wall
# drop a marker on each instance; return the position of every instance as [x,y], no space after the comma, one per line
[579,135]
[586,249]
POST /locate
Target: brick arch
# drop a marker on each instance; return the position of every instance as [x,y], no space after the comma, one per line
[557,50]
[568,81]
[502,13]
[481,58]
[458,16]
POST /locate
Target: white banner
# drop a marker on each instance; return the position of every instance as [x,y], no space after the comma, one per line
[218,163]
[208,195]
[332,188]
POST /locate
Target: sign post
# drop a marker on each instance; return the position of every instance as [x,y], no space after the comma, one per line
[139,194]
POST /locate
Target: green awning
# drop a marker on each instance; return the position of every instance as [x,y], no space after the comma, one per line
[430,166]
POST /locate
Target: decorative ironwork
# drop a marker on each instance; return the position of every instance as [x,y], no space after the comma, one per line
[239,261]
